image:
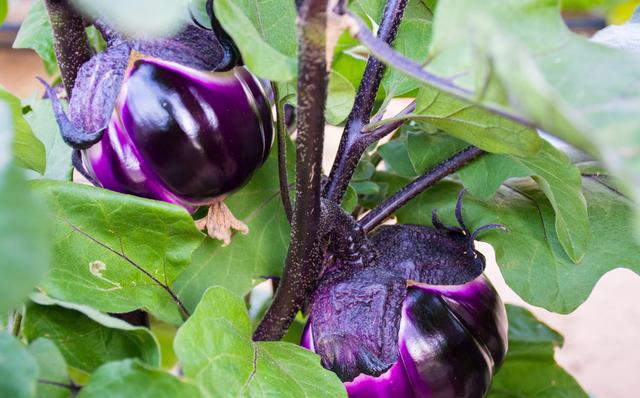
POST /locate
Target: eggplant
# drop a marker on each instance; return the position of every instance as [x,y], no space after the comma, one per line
[417,318]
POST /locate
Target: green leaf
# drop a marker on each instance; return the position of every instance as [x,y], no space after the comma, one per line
[521,56]
[142,18]
[53,368]
[44,126]
[474,124]
[24,231]
[260,253]
[231,364]
[529,369]
[18,369]
[530,255]
[28,151]
[86,337]
[557,177]
[264,31]
[133,379]
[35,33]
[115,252]
[4,10]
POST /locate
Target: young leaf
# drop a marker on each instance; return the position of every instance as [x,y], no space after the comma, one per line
[340,99]
[18,369]
[229,363]
[530,255]
[44,126]
[24,232]
[28,151]
[35,33]
[264,31]
[52,368]
[258,254]
[522,56]
[529,369]
[133,379]
[87,338]
[116,252]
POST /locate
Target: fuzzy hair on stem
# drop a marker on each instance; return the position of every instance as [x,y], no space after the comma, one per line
[304,258]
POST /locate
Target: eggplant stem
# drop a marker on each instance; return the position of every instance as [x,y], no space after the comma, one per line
[417,186]
[305,255]
[281,135]
[351,146]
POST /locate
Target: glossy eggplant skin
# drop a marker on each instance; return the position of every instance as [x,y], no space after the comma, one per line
[411,323]
[181,135]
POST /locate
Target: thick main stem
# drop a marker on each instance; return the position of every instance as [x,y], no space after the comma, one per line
[447,167]
[70,41]
[304,258]
[351,146]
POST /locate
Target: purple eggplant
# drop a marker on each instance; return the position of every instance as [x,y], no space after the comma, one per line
[416,319]
[181,135]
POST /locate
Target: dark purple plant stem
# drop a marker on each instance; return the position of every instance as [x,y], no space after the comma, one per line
[281,136]
[351,145]
[447,167]
[70,41]
[304,258]
[382,51]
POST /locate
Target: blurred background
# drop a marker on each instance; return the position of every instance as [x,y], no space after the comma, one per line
[602,337]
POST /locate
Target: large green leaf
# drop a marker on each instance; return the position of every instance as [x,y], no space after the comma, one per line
[264,31]
[35,33]
[249,257]
[28,151]
[52,369]
[58,154]
[215,348]
[133,379]
[18,369]
[558,179]
[415,152]
[530,255]
[24,233]
[475,125]
[521,56]
[116,252]
[86,337]
[529,369]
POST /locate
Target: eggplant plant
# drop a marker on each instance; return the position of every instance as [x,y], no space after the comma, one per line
[462,121]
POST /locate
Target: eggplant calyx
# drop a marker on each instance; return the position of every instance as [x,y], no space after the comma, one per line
[75,138]
[220,222]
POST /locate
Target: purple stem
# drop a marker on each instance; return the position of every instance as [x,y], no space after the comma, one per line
[447,167]
[352,145]
[304,258]
[70,41]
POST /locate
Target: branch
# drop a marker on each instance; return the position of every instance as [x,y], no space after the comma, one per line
[447,167]
[304,258]
[351,149]
[70,41]
[281,136]
[386,54]
[74,388]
